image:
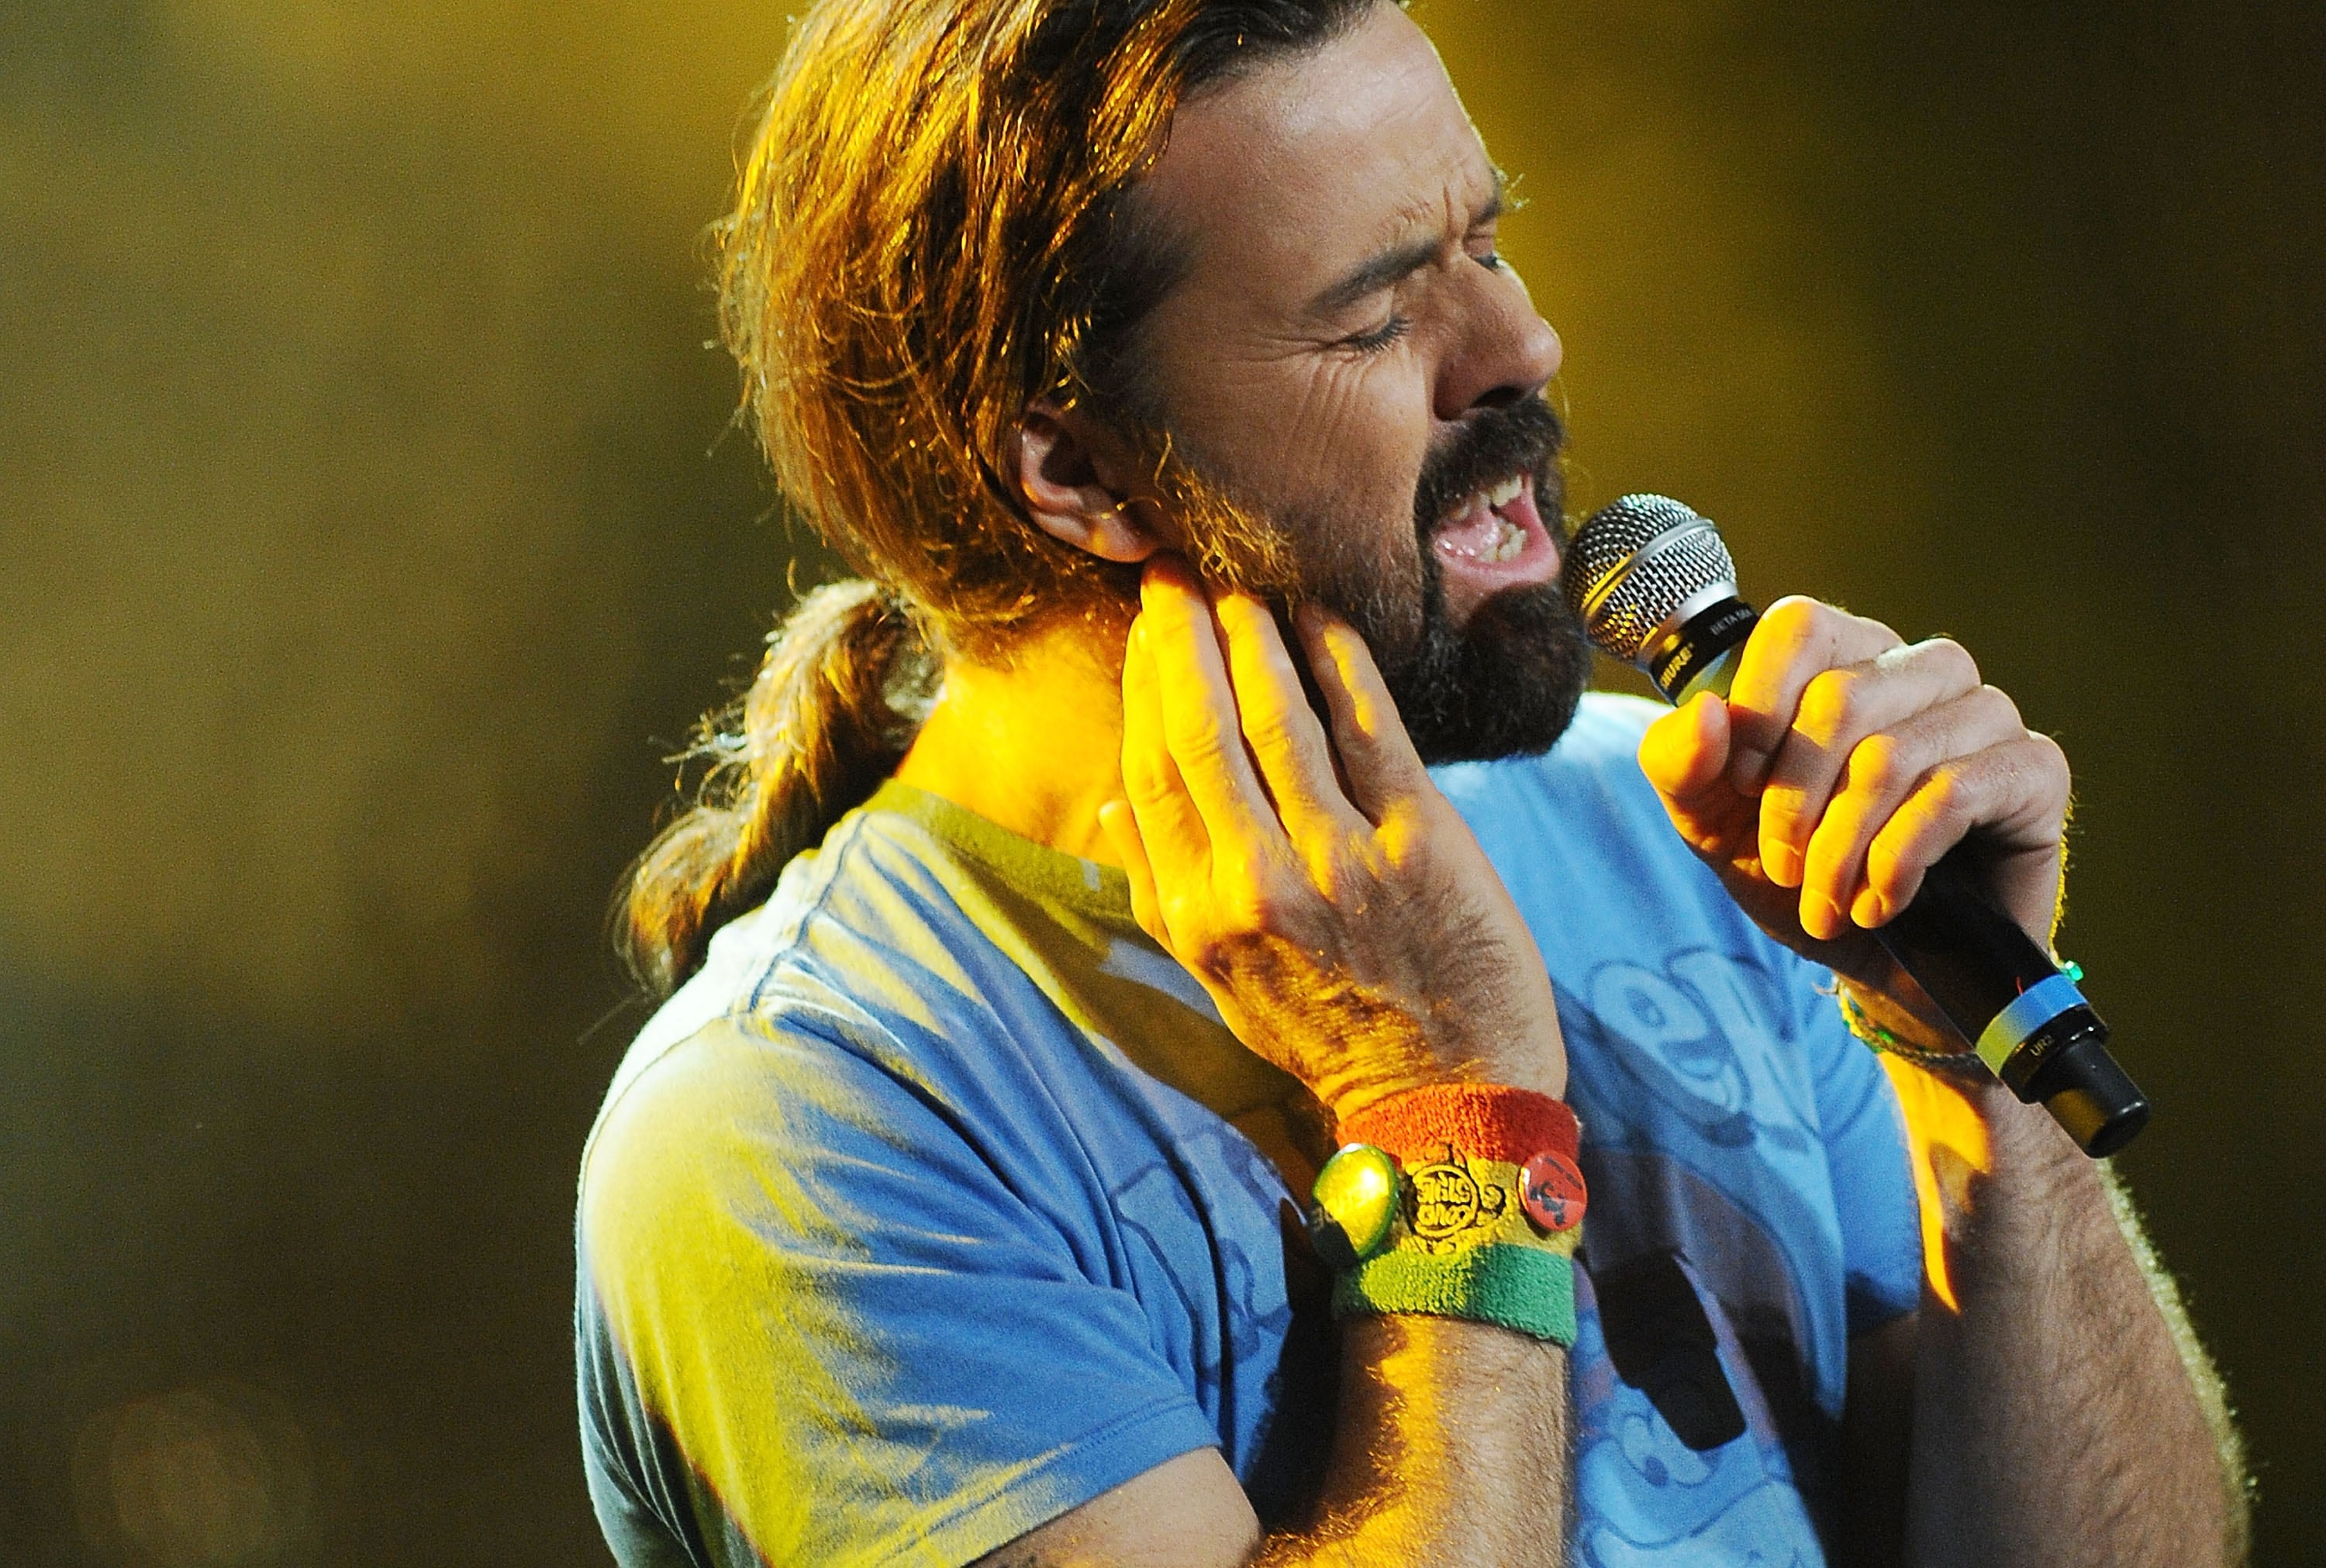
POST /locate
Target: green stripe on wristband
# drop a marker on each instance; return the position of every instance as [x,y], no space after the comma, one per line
[1527,1288]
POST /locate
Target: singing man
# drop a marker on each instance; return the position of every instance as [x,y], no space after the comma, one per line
[1196,787]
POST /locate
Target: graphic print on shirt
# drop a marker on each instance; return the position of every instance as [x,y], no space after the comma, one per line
[1273,1308]
[1693,1333]
[1652,1498]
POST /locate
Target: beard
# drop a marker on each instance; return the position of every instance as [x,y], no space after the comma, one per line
[1505,683]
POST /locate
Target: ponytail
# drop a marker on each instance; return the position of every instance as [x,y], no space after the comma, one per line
[836,701]
[935,229]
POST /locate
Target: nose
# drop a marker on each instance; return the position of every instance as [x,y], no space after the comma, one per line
[1508,355]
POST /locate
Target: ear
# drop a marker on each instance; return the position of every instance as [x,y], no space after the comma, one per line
[1061,459]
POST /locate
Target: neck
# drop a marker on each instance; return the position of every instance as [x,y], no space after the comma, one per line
[1033,741]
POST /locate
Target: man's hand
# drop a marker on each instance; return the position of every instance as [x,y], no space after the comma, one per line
[1338,910]
[1842,765]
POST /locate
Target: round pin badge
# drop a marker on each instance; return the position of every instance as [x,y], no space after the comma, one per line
[1550,1189]
[1356,1197]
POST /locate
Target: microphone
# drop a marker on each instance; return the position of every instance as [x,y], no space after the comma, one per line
[1655,587]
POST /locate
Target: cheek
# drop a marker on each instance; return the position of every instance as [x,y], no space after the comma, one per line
[1332,445]
[1348,461]
[1358,548]
[1292,421]
[1364,425]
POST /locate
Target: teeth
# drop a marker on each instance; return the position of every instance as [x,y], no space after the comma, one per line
[1510,540]
[1500,494]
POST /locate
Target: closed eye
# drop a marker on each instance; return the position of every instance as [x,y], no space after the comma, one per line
[1379,338]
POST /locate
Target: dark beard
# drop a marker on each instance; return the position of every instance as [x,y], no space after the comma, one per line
[1504,685]
[1507,683]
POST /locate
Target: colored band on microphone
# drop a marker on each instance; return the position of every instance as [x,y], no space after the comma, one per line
[2029,1011]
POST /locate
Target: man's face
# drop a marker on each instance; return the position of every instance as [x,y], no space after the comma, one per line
[1347,361]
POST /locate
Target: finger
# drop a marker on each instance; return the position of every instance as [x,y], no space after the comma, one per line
[1173,843]
[1837,709]
[1880,773]
[1286,740]
[1121,824]
[1796,638]
[1685,755]
[1383,768]
[2016,794]
[1200,726]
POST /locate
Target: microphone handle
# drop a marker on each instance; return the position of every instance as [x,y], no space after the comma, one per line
[2006,995]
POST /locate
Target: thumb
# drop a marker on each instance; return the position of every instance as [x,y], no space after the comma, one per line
[1684,754]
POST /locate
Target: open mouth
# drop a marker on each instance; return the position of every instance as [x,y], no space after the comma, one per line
[1495,538]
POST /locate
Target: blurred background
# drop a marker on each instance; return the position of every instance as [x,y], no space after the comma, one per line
[370,528]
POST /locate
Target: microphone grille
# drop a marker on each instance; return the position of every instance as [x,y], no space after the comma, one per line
[1621,590]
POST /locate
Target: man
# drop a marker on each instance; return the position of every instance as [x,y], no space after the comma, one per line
[1155,364]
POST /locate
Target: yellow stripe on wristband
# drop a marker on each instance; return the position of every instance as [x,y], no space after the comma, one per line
[1453,1203]
[1462,1245]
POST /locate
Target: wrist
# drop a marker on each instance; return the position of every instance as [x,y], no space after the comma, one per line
[1351,1095]
[1882,1014]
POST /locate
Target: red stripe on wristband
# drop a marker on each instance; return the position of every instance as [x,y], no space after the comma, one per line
[1484,1121]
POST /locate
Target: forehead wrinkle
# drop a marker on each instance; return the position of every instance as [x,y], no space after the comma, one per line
[1298,145]
[1384,148]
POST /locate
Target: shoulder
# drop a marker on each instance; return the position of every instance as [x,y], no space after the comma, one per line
[1585,797]
[1599,751]
[1607,727]
[850,984]
[747,1114]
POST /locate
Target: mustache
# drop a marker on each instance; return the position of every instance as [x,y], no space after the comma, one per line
[1523,437]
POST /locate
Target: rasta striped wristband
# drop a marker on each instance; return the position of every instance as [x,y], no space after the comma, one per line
[1530,1289]
[1458,1200]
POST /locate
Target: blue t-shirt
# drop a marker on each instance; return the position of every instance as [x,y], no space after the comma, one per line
[939,1201]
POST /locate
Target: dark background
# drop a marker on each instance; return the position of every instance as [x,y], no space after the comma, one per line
[368,530]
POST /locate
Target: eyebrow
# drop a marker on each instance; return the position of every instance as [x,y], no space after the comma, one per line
[1394,265]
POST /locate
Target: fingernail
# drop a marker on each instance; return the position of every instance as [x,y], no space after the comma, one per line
[1781,863]
[1868,909]
[1819,918]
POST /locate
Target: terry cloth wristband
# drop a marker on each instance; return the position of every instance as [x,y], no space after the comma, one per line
[1490,1204]
[1526,1288]
[1483,1120]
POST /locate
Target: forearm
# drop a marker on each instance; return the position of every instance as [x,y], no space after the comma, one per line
[1451,1449]
[2056,1421]
[1340,915]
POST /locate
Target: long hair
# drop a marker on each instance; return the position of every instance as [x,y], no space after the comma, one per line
[936,224]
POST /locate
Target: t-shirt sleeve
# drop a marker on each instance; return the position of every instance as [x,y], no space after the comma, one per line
[814,1294]
[1865,1149]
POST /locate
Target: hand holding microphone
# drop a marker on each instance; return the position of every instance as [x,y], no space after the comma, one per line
[1872,804]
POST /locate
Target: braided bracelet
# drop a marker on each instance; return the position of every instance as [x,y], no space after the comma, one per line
[1953,1064]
